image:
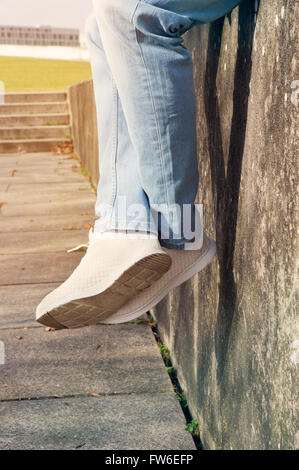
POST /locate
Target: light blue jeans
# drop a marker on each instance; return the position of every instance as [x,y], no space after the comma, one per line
[146,109]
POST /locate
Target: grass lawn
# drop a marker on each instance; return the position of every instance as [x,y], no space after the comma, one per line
[25,74]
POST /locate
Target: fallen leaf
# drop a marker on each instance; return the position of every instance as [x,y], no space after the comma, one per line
[19,337]
[88,226]
[65,148]
[80,445]
[96,395]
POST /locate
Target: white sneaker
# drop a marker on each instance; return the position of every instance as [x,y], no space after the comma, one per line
[112,272]
[184,265]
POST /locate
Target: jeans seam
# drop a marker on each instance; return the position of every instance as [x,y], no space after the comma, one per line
[114,144]
[133,13]
[162,160]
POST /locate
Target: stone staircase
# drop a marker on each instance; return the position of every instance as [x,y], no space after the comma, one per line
[34,122]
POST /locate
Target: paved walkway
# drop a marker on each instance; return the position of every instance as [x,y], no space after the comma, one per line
[101,387]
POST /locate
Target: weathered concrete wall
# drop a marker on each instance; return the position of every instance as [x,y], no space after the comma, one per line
[232,330]
[84,126]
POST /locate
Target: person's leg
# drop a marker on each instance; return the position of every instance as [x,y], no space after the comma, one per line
[109,281]
[153,73]
[117,265]
[119,180]
[160,123]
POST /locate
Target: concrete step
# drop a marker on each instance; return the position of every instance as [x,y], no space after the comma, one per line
[34,119]
[36,97]
[33,108]
[30,145]
[37,132]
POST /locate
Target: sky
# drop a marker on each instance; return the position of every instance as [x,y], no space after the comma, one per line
[60,13]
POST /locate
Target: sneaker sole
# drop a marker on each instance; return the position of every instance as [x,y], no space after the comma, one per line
[92,309]
[195,268]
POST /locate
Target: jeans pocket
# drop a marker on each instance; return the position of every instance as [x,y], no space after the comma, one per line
[151,16]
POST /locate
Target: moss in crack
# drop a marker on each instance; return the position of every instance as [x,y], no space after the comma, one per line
[191,424]
[192,427]
[182,399]
[85,173]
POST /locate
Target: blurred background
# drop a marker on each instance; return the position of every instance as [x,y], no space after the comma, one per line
[42,44]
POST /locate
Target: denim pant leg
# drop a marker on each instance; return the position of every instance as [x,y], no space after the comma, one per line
[153,73]
[121,202]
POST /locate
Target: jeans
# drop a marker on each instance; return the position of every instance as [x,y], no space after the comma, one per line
[146,110]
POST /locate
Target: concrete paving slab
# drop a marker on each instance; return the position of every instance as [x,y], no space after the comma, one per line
[38,242]
[141,422]
[41,223]
[39,96]
[46,208]
[53,168]
[18,304]
[42,177]
[30,145]
[32,108]
[100,359]
[34,119]
[9,186]
[32,268]
[45,188]
[19,161]
[83,206]
[30,195]
[56,168]
[35,158]
[36,132]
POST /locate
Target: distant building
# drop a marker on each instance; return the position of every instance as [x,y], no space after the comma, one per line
[39,36]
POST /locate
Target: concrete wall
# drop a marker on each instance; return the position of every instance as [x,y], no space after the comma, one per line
[232,330]
[84,126]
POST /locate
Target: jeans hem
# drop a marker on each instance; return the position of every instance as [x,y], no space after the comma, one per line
[172,246]
[143,226]
[104,225]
